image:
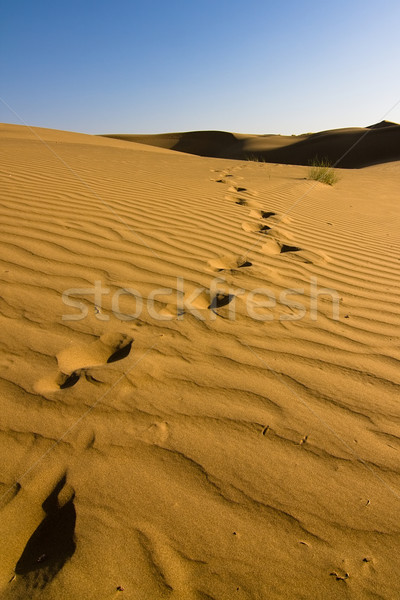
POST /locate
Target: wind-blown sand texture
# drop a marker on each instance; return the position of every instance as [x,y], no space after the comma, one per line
[349,147]
[199,457]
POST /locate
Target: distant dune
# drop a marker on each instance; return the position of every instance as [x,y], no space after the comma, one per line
[352,147]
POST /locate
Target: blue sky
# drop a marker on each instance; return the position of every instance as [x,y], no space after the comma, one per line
[153,66]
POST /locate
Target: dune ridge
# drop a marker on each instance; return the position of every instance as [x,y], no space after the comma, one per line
[197,456]
[352,147]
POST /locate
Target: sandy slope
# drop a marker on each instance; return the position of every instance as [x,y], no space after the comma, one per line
[351,147]
[200,456]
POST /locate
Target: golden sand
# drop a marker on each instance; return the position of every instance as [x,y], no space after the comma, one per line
[195,454]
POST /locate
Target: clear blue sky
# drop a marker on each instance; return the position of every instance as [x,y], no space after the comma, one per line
[248,66]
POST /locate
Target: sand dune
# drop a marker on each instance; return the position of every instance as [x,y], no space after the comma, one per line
[184,453]
[349,148]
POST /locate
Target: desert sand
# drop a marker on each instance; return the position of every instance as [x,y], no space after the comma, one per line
[215,446]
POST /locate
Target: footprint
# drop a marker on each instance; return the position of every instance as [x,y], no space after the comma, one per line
[195,301]
[220,300]
[37,525]
[266,214]
[286,248]
[205,300]
[244,201]
[273,217]
[73,361]
[30,519]
[109,348]
[262,214]
[54,382]
[273,247]
[228,263]
[256,228]
[237,188]
[52,544]
[223,172]
[305,256]
[223,176]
